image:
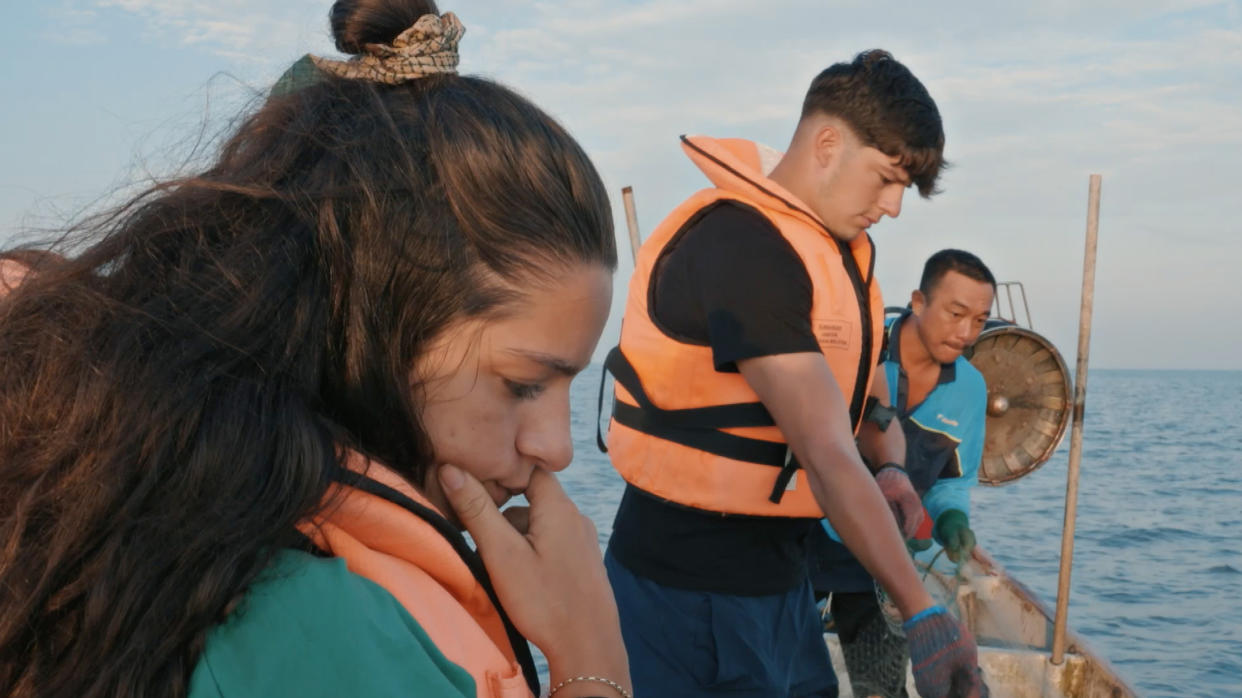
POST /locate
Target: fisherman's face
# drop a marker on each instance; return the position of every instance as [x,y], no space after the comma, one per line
[953,317]
[497,391]
[858,186]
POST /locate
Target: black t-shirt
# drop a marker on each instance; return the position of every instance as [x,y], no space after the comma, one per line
[730,281]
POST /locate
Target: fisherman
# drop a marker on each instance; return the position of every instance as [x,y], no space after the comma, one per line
[749,344]
[939,400]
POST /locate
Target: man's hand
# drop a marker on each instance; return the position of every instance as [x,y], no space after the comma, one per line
[953,529]
[902,499]
[943,656]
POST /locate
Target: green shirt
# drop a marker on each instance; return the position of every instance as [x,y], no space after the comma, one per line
[310,627]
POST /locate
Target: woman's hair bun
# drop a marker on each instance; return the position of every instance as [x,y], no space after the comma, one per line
[356,23]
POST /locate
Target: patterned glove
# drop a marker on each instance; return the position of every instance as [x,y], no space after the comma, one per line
[901,497]
[953,530]
[943,656]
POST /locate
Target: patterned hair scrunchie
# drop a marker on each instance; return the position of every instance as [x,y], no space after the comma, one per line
[427,48]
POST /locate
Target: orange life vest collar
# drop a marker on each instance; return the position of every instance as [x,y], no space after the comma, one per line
[737,165]
[388,532]
[691,435]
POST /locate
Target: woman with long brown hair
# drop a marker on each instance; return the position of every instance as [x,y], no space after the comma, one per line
[242,430]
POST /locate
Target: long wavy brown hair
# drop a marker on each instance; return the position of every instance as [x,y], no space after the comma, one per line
[174,397]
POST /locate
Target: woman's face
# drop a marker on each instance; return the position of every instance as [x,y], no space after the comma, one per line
[496,391]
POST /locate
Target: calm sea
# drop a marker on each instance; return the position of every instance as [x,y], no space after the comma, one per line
[1157,580]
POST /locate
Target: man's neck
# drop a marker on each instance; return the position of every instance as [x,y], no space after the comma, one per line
[786,173]
[915,358]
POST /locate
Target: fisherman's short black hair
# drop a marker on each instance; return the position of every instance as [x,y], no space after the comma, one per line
[888,109]
[959,261]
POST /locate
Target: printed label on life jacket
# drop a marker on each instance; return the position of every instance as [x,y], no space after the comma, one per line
[834,333]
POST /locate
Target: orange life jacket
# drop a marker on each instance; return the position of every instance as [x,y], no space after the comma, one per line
[386,531]
[691,435]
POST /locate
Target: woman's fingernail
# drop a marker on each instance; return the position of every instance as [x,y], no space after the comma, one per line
[451,478]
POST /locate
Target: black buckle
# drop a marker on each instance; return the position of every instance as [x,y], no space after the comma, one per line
[877,414]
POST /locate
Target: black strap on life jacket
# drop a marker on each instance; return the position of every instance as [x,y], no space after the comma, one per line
[893,337]
[521,648]
[697,427]
[873,411]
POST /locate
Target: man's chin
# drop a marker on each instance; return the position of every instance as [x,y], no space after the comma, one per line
[948,357]
[846,234]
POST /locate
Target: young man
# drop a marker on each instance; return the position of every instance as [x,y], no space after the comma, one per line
[939,400]
[748,348]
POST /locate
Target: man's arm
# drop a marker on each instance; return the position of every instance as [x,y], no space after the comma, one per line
[889,445]
[883,449]
[954,493]
[808,407]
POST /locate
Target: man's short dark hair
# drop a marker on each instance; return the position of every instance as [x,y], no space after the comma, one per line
[888,109]
[959,261]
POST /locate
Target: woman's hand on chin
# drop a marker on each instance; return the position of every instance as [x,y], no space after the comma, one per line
[545,564]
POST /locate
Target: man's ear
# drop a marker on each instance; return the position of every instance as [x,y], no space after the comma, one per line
[828,142]
[918,303]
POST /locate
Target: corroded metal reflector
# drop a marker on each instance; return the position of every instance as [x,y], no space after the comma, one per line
[1029,401]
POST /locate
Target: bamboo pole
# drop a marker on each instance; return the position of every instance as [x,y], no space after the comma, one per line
[1080,396]
[631,220]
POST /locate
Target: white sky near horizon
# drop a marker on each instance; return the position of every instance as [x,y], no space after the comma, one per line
[100,94]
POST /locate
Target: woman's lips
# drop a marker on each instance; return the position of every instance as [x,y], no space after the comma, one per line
[501,494]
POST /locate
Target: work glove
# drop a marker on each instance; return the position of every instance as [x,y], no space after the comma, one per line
[901,497]
[953,531]
[943,656]
[917,545]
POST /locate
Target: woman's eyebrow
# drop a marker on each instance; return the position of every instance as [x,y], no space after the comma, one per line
[555,363]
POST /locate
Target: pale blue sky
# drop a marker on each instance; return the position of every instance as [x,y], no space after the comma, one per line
[101,93]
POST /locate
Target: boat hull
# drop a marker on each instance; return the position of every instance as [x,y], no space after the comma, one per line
[1014,632]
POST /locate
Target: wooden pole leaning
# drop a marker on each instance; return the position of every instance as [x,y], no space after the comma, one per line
[1080,395]
[631,220]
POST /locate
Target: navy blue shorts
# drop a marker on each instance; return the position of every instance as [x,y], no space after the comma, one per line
[684,644]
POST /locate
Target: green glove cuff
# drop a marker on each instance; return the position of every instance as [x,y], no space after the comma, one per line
[949,523]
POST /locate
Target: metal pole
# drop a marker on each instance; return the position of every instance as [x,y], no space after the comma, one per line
[1026,306]
[631,220]
[1080,396]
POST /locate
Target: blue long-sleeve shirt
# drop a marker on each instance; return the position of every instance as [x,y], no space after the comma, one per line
[944,433]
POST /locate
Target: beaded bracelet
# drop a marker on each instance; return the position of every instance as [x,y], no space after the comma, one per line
[597,679]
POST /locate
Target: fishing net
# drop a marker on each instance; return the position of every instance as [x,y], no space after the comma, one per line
[876,659]
[1012,627]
